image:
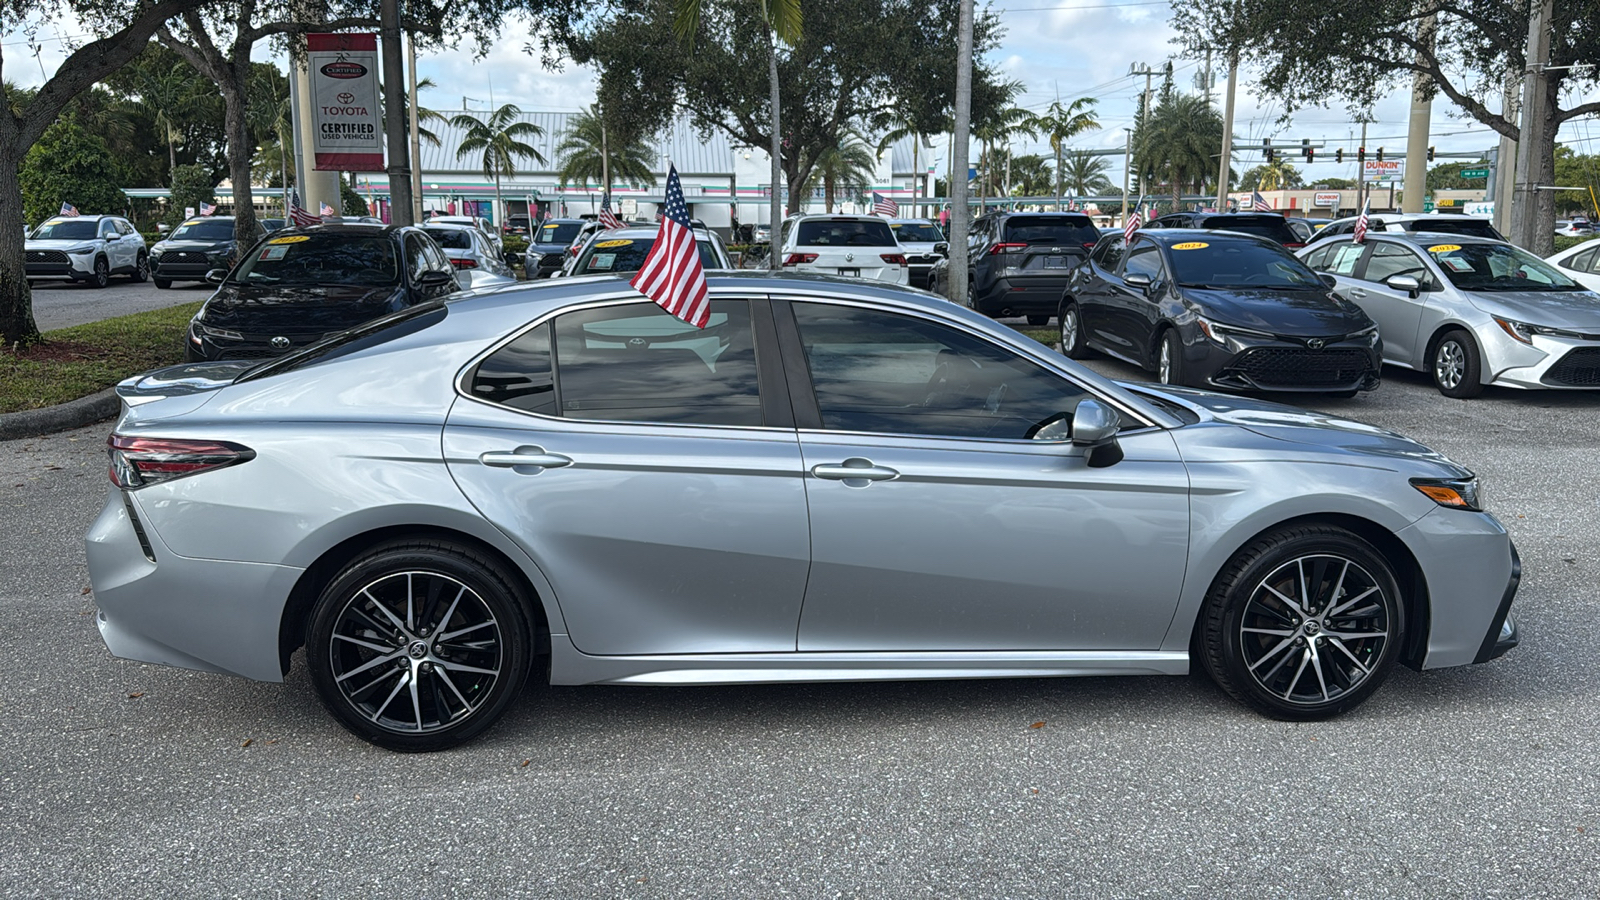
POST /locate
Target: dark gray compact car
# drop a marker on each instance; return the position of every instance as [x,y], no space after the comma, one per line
[833,480]
[1019,262]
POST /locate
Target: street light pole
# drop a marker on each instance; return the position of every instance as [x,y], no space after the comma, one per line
[959,213]
[1225,164]
[394,126]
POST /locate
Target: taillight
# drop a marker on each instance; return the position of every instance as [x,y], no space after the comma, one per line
[1006,248]
[1293,246]
[894,259]
[464,263]
[795,259]
[140,462]
[1088,245]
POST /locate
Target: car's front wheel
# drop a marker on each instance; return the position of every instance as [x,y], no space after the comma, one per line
[419,645]
[1455,366]
[1071,323]
[163,283]
[102,273]
[141,269]
[1303,623]
[1169,358]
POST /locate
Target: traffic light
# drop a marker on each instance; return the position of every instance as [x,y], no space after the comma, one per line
[1305,149]
[1361,154]
[1266,149]
[1338,155]
[1430,154]
[1380,154]
[1311,155]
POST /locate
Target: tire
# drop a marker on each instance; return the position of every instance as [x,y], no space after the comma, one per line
[1455,366]
[972,302]
[102,273]
[1169,358]
[141,269]
[1072,345]
[361,624]
[1038,321]
[1273,651]
[162,283]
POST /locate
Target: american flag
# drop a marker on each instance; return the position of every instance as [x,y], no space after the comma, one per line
[1258,202]
[328,210]
[884,206]
[607,217]
[1134,222]
[207,209]
[299,215]
[672,275]
[68,210]
[1361,225]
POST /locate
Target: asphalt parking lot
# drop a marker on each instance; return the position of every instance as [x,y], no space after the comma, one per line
[61,304]
[119,779]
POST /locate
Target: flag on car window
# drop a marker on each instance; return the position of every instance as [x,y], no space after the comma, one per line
[299,215]
[1258,202]
[607,217]
[328,210]
[68,210]
[671,274]
[207,209]
[1361,225]
[884,206]
[1134,222]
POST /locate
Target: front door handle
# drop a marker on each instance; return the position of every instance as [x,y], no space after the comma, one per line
[525,456]
[855,469]
[1357,292]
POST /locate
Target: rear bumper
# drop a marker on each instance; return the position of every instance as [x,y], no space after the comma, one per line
[1021,295]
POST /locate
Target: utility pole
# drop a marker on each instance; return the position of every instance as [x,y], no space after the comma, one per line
[1361,170]
[1226,160]
[394,126]
[1528,199]
[416,134]
[1416,178]
[1505,164]
[1144,112]
[959,213]
[1127,167]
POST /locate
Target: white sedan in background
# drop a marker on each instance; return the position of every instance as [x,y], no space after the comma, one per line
[1580,263]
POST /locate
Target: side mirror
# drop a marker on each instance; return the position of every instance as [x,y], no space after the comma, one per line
[1405,283]
[215,276]
[1094,427]
[1327,280]
[942,248]
[434,278]
[1137,279]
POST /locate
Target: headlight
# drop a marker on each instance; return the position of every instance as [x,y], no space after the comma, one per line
[1220,333]
[218,332]
[531,258]
[83,250]
[1524,332]
[158,249]
[1456,493]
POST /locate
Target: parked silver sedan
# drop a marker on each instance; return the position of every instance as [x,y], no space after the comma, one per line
[475,260]
[833,480]
[1471,311]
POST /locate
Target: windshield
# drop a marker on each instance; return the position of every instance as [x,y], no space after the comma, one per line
[323,258]
[1239,264]
[627,255]
[203,231]
[1498,267]
[1054,230]
[845,233]
[450,238]
[559,232]
[67,230]
[917,232]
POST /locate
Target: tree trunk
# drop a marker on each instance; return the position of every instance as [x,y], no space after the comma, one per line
[775,213]
[827,185]
[239,151]
[172,157]
[1058,177]
[16,298]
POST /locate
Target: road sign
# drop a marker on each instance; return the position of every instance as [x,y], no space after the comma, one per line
[1475,173]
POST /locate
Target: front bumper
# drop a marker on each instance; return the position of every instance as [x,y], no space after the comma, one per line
[184,266]
[1472,572]
[1551,362]
[1248,363]
[158,607]
[59,264]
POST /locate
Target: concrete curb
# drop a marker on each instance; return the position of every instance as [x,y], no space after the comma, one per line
[73,414]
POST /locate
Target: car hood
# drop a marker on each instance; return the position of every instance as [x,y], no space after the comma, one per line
[1301,426]
[1307,313]
[60,245]
[538,247]
[201,246]
[297,309]
[1579,310]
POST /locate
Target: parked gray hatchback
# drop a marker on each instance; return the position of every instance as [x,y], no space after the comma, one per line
[833,480]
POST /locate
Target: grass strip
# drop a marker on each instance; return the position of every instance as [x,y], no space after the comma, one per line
[85,359]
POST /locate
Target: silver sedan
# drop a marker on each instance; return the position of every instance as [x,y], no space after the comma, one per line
[1472,311]
[832,481]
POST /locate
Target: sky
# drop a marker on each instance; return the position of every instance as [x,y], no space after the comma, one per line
[1057,48]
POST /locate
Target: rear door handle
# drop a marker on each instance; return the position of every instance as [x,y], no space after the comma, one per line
[854,469]
[524,456]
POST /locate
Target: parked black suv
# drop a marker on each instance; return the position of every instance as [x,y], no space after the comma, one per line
[1018,263]
[547,246]
[1271,226]
[195,248]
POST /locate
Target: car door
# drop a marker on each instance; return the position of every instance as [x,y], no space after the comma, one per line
[652,471]
[1092,286]
[1131,311]
[1398,314]
[959,532]
[116,248]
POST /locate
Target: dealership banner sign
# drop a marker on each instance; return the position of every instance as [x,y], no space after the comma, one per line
[345,116]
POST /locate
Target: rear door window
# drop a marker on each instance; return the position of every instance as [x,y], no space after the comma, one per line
[1389,260]
[1579,263]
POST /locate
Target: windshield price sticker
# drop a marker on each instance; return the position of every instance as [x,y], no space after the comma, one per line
[1457,264]
[290,239]
[271,253]
[1443,248]
[1191,245]
[604,245]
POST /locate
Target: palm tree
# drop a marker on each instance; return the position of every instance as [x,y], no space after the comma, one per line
[783,21]
[1030,175]
[1175,146]
[170,97]
[848,163]
[902,123]
[1063,123]
[1278,173]
[587,152]
[997,127]
[500,141]
[1086,174]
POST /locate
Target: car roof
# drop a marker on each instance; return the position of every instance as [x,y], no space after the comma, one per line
[642,231]
[1432,237]
[566,220]
[1170,236]
[457,226]
[898,221]
[839,217]
[1012,214]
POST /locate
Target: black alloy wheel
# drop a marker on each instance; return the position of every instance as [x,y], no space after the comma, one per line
[141,269]
[419,645]
[102,273]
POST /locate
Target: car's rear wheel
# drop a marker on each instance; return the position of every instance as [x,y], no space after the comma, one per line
[1071,323]
[102,273]
[1455,366]
[419,645]
[1169,358]
[1038,321]
[1304,623]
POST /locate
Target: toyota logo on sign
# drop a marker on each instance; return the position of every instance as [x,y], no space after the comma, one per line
[346,98]
[280,343]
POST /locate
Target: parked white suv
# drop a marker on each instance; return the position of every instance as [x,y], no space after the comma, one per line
[86,248]
[852,246]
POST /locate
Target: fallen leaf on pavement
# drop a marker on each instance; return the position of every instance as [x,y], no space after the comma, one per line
[1037,725]
[135,695]
[248,742]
